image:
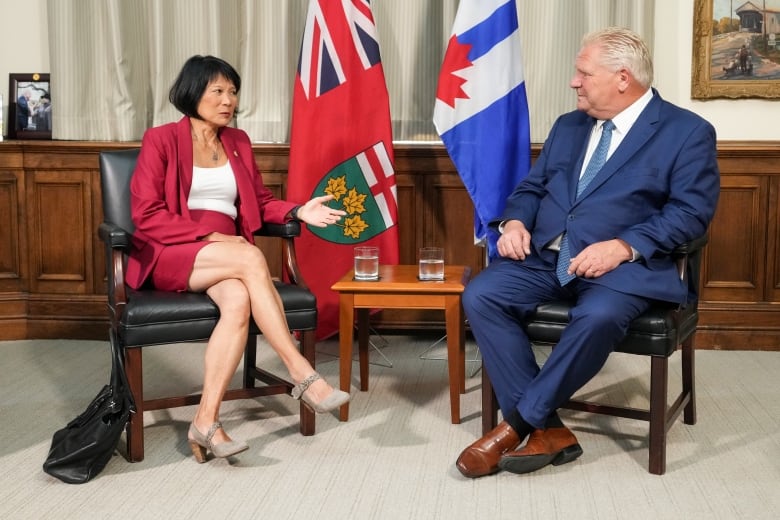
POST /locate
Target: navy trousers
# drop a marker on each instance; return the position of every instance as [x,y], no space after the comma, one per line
[498,300]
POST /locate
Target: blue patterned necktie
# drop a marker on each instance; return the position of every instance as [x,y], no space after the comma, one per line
[596,162]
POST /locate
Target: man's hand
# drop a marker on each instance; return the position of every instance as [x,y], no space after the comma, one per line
[515,241]
[600,258]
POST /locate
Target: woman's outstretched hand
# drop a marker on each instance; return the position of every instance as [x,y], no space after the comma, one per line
[317,213]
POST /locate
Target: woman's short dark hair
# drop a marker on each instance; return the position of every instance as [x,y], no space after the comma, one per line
[194,77]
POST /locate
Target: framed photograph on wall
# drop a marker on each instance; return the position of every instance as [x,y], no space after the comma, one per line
[29,106]
[736,52]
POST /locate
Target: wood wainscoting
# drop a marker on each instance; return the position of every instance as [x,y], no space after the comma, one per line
[52,267]
[740,300]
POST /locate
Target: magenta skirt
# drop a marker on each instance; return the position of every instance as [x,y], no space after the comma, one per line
[174,265]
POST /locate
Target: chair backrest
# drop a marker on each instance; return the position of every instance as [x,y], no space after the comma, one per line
[116,170]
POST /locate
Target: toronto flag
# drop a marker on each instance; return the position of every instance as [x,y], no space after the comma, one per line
[481,111]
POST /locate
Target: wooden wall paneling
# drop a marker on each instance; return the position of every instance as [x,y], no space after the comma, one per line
[773,243]
[729,326]
[62,259]
[53,283]
[100,279]
[738,308]
[272,161]
[444,212]
[65,263]
[733,292]
[734,261]
[13,249]
[413,165]
[60,217]
[12,239]
[449,222]
[409,193]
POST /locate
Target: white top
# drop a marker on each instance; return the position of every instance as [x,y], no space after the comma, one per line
[214,189]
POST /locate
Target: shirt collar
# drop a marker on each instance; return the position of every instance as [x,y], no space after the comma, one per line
[626,119]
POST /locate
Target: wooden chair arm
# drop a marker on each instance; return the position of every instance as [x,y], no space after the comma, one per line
[684,250]
[117,243]
[287,232]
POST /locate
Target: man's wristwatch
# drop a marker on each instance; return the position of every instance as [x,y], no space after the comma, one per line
[294,212]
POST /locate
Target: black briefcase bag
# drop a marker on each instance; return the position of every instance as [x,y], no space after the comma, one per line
[81,450]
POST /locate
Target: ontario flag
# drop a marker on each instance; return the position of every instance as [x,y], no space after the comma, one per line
[481,110]
[341,144]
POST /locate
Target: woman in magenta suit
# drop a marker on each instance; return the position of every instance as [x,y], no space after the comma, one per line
[197,196]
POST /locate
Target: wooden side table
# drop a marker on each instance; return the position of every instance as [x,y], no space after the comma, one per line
[399,288]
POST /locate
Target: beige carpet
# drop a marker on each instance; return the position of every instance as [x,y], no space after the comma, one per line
[394,458]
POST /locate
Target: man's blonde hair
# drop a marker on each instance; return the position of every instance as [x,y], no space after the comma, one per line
[623,49]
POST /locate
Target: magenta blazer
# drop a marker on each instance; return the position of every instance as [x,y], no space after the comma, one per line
[160,187]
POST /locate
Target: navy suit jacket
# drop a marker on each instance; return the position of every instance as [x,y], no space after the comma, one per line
[659,189]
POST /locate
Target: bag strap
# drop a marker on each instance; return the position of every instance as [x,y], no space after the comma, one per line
[119,384]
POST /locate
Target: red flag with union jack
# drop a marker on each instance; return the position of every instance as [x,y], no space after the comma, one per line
[341,144]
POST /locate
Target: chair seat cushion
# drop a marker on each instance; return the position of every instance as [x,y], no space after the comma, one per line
[657,332]
[159,317]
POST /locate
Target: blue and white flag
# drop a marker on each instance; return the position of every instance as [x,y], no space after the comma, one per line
[481,110]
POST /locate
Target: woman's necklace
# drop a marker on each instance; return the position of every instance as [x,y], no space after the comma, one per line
[214,147]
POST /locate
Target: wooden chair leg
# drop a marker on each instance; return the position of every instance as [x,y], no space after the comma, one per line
[688,379]
[308,345]
[250,361]
[135,427]
[659,387]
[489,404]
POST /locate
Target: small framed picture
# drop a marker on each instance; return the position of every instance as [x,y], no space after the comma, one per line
[29,106]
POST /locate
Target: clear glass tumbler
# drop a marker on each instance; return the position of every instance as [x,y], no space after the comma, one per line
[366,263]
[431,263]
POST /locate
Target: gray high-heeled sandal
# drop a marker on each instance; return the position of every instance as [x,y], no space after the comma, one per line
[199,443]
[333,401]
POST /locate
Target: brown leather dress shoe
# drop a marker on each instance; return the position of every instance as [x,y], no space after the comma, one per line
[554,446]
[481,458]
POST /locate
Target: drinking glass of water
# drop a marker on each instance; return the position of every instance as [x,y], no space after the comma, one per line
[366,263]
[431,263]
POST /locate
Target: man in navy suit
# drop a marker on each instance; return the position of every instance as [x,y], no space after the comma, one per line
[619,183]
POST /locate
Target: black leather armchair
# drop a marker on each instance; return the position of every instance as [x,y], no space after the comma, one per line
[146,317]
[657,333]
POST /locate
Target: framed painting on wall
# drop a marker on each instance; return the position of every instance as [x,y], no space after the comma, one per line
[736,52]
[29,106]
